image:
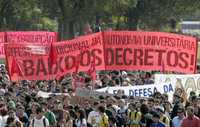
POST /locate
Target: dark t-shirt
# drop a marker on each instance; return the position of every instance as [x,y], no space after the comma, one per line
[24,120]
[87,111]
[146,121]
[58,115]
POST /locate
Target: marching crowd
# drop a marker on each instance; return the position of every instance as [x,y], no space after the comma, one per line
[21,107]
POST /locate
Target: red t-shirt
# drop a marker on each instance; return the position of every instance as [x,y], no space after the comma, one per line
[191,122]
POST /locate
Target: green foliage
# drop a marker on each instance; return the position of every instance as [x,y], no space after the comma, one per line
[69,16]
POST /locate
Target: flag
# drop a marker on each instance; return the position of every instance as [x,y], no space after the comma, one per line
[92,71]
[53,55]
[15,68]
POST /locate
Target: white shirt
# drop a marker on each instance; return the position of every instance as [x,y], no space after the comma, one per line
[177,121]
[79,123]
[39,123]
[3,121]
[94,118]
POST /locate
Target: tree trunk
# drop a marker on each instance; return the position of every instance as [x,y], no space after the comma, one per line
[71,29]
[66,30]
[132,19]
[60,30]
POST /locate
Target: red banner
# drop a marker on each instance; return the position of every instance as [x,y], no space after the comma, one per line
[31,37]
[2,37]
[38,66]
[146,51]
[41,37]
[2,52]
[110,51]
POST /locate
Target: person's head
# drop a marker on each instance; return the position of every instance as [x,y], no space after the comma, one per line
[144,109]
[96,104]
[11,105]
[57,104]
[180,112]
[111,100]
[81,114]
[156,102]
[101,109]
[103,103]
[124,74]
[39,112]
[20,111]
[160,110]
[150,102]
[156,117]
[194,100]
[132,106]
[34,107]
[192,93]
[167,105]
[176,99]
[190,111]
[121,103]
[165,97]
[179,91]
[138,105]
[11,113]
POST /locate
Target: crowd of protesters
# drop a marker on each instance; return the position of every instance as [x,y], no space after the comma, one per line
[21,107]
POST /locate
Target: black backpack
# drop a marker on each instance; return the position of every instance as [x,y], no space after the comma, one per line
[120,120]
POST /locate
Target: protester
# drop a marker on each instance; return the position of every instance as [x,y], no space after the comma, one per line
[81,119]
[13,120]
[104,118]
[94,116]
[122,114]
[177,121]
[22,115]
[49,115]
[68,122]
[163,118]
[39,120]
[191,120]
[20,104]
[156,121]
[134,116]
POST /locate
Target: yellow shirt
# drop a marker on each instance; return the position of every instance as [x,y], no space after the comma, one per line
[134,118]
[103,121]
[165,120]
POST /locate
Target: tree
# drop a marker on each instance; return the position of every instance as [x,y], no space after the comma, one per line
[69,16]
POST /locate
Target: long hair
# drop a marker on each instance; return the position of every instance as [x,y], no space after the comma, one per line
[82,114]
